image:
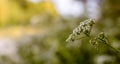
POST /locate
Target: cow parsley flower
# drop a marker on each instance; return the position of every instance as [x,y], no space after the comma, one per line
[82,30]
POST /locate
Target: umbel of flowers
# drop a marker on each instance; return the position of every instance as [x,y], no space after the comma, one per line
[82,30]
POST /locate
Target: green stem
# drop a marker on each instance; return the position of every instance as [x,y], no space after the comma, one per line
[116,50]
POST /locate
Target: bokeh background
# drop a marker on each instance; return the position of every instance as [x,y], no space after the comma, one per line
[34,31]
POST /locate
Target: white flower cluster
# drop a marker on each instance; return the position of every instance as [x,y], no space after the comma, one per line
[83,28]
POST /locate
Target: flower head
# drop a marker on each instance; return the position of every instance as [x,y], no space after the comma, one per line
[82,30]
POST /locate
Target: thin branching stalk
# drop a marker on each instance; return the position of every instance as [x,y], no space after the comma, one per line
[101,39]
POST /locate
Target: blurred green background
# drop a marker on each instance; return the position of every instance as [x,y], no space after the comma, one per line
[34,32]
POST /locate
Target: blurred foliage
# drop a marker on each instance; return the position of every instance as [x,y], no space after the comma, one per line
[41,33]
[16,12]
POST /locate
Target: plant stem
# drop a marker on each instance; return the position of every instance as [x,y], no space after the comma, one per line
[116,50]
